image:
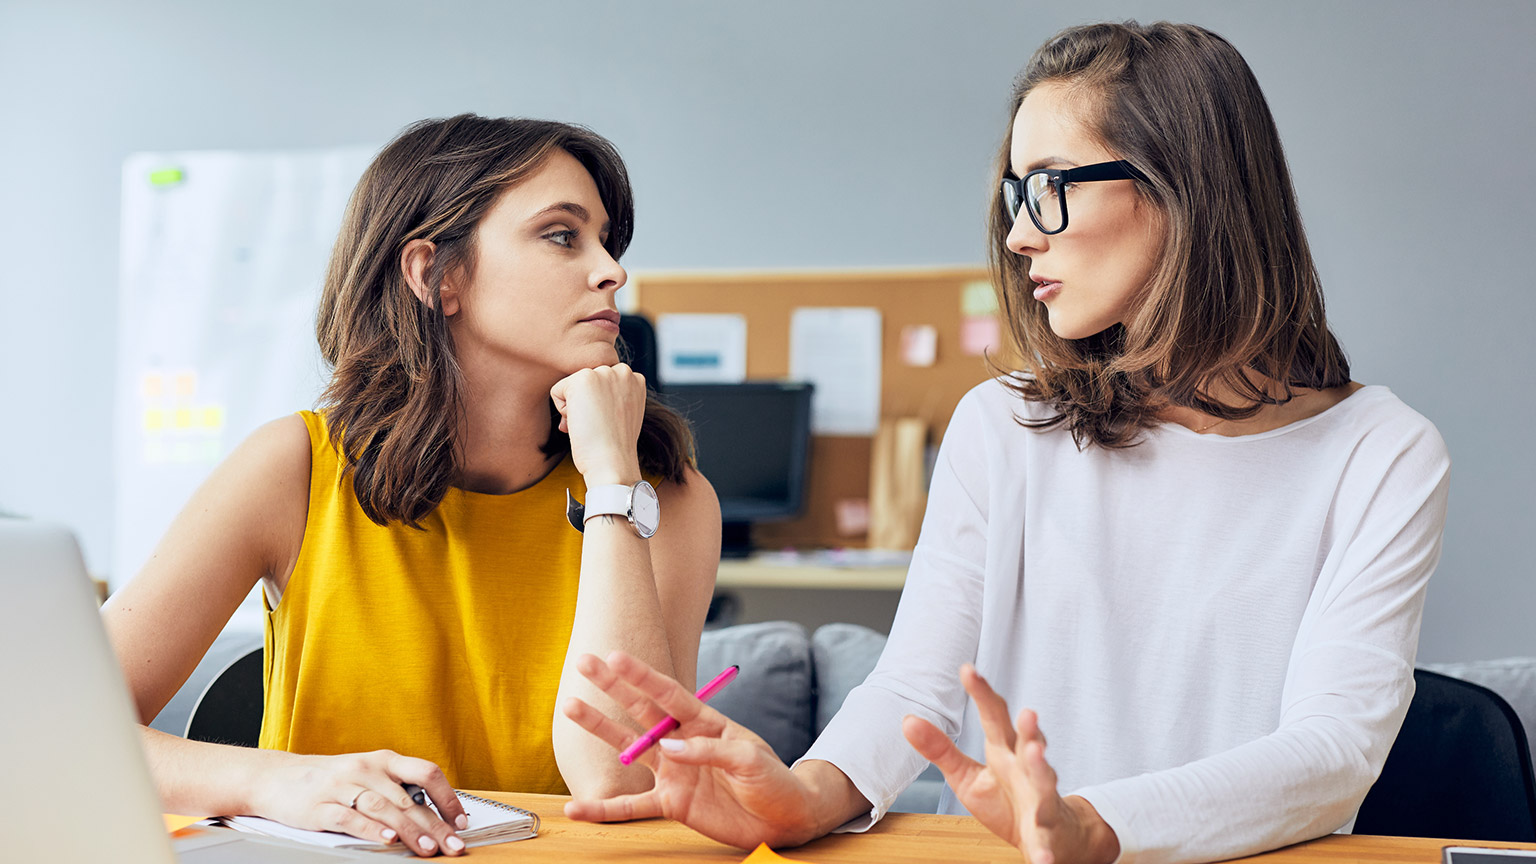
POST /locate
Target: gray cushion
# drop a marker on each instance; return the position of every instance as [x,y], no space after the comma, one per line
[774,693]
[845,654]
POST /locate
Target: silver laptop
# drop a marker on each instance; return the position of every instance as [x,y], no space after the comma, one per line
[77,787]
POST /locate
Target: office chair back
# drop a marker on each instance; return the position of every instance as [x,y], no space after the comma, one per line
[1460,769]
[229,710]
[637,347]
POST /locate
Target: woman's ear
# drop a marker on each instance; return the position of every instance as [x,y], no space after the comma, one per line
[415,262]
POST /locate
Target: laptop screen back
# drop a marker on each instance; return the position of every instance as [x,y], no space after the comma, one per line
[77,786]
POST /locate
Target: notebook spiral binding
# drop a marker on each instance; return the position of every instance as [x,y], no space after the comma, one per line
[500,806]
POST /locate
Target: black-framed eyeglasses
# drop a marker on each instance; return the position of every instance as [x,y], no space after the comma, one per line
[1040,192]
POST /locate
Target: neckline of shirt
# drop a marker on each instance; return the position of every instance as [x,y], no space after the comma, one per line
[564,464]
[1334,410]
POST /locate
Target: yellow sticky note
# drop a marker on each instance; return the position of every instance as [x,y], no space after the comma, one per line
[166,176]
[174,823]
[154,420]
[182,419]
[763,855]
[213,417]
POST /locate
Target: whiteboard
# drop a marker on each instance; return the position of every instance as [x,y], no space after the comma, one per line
[222,258]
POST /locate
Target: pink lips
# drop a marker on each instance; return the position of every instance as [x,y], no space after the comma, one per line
[1047,289]
[608,320]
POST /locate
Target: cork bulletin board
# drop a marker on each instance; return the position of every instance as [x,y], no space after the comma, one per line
[839,465]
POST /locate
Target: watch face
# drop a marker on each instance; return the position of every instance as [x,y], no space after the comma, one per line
[646,510]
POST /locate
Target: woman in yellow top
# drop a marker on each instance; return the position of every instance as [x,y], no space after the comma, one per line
[426,594]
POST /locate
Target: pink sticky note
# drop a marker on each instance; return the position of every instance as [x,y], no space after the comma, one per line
[978,333]
[852,516]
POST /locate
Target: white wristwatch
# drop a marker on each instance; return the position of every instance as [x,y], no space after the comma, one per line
[636,503]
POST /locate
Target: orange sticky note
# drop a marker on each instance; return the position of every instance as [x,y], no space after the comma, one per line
[174,823]
[763,855]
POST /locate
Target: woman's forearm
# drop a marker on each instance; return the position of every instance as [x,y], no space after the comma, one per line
[617,608]
[202,779]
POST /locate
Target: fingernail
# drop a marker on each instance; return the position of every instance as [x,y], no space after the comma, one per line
[390,835]
[671,745]
[461,822]
[428,843]
[454,843]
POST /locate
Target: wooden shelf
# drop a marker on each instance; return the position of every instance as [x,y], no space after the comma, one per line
[758,573]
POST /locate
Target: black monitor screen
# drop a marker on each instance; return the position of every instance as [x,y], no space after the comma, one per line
[752,444]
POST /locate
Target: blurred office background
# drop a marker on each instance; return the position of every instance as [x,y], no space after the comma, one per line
[805,134]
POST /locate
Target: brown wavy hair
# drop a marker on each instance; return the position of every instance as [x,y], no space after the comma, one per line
[1235,292]
[394,402]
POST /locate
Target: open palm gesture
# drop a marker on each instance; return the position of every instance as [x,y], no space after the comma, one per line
[712,774]
[1014,792]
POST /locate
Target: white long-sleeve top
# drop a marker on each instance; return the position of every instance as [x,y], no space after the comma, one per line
[1218,633]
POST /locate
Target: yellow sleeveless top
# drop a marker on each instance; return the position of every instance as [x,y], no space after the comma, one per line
[444,643]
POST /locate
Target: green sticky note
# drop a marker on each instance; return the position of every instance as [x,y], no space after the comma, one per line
[978,299]
[165,177]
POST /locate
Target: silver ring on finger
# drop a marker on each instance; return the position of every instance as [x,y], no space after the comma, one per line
[356,795]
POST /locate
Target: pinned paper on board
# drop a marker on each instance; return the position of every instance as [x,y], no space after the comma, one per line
[852,515]
[838,350]
[977,335]
[702,349]
[919,344]
[979,330]
[978,298]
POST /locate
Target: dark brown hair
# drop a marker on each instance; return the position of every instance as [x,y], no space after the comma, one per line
[394,401]
[1235,292]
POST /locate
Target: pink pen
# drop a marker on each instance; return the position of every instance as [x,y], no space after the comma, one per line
[660,730]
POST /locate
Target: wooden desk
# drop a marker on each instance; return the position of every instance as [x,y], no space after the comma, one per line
[900,838]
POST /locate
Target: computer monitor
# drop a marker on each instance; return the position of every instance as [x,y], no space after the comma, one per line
[753,441]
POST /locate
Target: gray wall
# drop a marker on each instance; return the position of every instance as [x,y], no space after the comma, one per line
[805,133]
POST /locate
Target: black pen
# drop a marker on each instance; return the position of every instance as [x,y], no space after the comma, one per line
[416,792]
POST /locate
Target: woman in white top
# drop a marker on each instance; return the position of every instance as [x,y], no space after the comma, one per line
[1180,534]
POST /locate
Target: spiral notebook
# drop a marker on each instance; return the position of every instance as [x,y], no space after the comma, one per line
[489,822]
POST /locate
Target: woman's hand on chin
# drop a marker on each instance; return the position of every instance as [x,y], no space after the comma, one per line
[713,775]
[601,409]
[1014,793]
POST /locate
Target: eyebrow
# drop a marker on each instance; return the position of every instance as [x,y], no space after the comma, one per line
[1048,161]
[571,207]
[574,209]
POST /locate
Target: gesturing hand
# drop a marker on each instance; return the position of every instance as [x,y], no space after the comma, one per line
[714,776]
[360,794]
[601,409]
[1014,794]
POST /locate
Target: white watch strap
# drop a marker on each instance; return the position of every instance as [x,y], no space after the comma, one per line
[610,500]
